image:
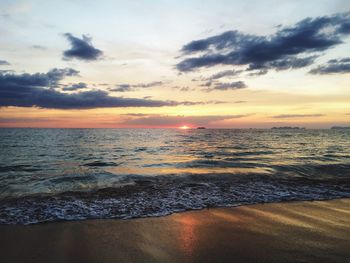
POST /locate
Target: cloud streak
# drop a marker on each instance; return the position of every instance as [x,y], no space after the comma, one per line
[75,86]
[24,120]
[4,63]
[289,116]
[39,47]
[225,86]
[225,73]
[183,89]
[148,85]
[129,87]
[341,66]
[175,121]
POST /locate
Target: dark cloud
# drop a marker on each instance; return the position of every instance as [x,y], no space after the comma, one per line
[288,48]
[287,116]
[209,81]
[75,86]
[81,48]
[58,74]
[225,73]
[148,85]
[122,88]
[52,99]
[4,63]
[333,66]
[283,64]
[129,87]
[227,86]
[12,82]
[39,90]
[343,60]
[173,121]
[258,73]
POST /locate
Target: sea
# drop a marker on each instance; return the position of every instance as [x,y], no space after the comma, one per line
[74,174]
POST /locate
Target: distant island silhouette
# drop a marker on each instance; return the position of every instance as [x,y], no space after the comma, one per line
[340,128]
[287,128]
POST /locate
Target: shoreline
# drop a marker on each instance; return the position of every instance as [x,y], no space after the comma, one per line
[175,212]
[293,231]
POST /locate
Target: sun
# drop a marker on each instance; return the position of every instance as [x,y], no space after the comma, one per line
[184,127]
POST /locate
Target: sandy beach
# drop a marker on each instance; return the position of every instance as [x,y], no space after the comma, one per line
[316,231]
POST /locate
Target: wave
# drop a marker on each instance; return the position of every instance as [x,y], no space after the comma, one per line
[16,168]
[101,164]
[163,195]
[70,174]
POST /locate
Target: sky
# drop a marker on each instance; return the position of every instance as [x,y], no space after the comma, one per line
[167,64]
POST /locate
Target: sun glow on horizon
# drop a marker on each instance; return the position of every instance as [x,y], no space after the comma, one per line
[184,127]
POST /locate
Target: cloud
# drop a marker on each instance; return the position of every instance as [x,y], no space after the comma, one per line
[289,48]
[225,73]
[121,88]
[284,64]
[288,116]
[81,48]
[333,66]
[39,90]
[75,86]
[216,102]
[24,120]
[129,87]
[135,114]
[190,103]
[6,71]
[184,89]
[174,121]
[206,84]
[12,82]
[258,73]
[227,86]
[39,47]
[148,85]
[4,63]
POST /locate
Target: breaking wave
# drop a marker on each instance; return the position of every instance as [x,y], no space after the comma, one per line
[89,174]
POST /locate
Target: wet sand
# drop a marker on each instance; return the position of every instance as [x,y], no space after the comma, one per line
[316,231]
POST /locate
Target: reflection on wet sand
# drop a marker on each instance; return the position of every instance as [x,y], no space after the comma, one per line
[283,232]
[187,235]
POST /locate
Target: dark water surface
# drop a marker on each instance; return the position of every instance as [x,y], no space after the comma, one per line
[70,174]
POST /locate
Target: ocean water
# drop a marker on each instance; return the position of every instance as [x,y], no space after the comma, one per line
[70,174]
